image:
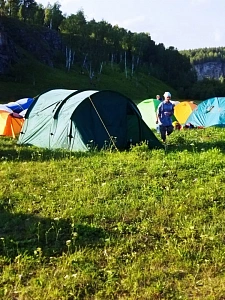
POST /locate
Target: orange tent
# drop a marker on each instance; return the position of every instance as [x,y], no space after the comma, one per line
[10,123]
[183,110]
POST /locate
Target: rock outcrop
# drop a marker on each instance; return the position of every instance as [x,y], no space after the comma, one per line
[8,53]
[16,42]
[212,69]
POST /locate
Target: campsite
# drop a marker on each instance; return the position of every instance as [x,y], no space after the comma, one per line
[110,222]
[83,216]
[93,204]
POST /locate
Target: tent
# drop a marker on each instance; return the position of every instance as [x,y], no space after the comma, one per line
[23,113]
[183,110]
[20,105]
[78,120]
[3,107]
[210,112]
[10,124]
[148,109]
[175,102]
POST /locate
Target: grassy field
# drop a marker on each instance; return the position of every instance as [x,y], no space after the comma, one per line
[142,224]
[40,78]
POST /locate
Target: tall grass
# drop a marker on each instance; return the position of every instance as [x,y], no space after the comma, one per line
[141,224]
[40,78]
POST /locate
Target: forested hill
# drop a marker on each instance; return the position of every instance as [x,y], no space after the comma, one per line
[203,55]
[31,33]
[209,63]
[88,45]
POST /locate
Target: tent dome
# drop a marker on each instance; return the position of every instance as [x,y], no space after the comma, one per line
[183,110]
[210,112]
[148,109]
[73,119]
[3,107]
[10,124]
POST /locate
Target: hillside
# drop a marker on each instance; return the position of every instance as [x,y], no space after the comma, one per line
[35,58]
[97,55]
[47,78]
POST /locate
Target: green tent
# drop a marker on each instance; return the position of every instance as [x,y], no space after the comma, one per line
[75,120]
[148,109]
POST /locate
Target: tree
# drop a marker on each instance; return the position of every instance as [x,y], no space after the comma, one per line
[3,11]
[75,24]
[75,31]
[27,11]
[12,8]
[39,15]
[53,16]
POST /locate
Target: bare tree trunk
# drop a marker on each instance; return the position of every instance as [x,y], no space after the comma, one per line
[73,57]
[69,58]
[132,66]
[112,60]
[84,61]
[68,53]
[125,63]
[101,65]
[91,73]
[138,59]
[121,58]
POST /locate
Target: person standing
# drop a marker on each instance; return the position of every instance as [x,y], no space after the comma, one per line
[158,97]
[164,115]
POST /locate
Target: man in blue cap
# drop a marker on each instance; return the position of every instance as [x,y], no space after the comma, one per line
[164,115]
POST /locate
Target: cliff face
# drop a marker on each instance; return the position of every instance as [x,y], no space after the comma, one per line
[8,54]
[213,69]
[16,43]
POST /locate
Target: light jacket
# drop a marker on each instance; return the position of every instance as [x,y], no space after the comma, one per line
[164,113]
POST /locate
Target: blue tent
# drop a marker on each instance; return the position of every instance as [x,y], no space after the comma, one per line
[5,108]
[20,104]
[210,112]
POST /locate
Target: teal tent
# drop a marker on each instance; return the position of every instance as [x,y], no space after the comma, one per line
[74,120]
[210,112]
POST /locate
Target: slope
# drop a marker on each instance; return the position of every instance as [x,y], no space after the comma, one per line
[38,77]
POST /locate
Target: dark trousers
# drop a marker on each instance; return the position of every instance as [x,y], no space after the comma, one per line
[165,130]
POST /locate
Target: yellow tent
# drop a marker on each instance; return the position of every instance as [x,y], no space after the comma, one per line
[10,123]
[183,110]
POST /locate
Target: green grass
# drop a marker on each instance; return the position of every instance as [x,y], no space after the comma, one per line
[114,225]
[38,78]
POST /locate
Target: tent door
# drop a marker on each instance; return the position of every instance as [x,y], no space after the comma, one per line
[133,127]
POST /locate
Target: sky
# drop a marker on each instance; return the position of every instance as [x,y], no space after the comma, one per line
[182,24]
